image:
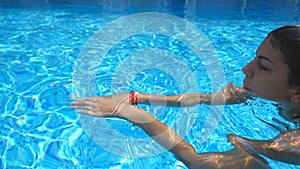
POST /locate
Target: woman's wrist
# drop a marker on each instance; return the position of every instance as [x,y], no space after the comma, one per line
[137,115]
[142,98]
[138,97]
[133,97]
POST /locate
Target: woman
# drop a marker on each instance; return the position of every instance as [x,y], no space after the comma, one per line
[274,74]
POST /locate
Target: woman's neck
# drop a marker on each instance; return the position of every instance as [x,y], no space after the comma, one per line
[290,111]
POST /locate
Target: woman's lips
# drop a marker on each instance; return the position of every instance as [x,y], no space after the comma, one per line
[245,87]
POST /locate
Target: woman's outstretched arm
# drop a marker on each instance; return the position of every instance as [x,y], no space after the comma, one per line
[229,95]
[119,106]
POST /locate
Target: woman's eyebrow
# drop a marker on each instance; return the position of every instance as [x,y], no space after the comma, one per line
[265,58]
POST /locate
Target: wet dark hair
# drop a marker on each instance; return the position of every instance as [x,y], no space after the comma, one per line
[287,40]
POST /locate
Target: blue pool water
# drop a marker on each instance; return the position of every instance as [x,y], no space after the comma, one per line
[40,47]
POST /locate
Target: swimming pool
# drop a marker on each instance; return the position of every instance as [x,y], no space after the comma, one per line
[41,41]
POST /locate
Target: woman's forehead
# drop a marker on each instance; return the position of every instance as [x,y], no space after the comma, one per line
[268,51]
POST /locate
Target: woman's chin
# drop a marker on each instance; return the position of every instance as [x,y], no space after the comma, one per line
[252,94]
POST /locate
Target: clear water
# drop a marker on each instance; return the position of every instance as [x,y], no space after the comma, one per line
[40,42]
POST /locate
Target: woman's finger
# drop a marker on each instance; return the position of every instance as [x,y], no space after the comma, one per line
[84,102]
[81,111]
[91,113]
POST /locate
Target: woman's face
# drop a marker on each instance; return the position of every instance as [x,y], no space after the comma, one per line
[267,74]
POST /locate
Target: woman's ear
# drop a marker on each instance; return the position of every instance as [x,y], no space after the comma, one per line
[295,96]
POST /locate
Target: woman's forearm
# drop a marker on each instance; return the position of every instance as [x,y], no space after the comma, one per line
[174,100]
[229,95]
[167,138]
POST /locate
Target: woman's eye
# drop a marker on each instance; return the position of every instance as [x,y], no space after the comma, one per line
[262,67]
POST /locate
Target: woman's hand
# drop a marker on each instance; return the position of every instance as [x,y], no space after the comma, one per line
[112,106]
[105,106]
[230,95]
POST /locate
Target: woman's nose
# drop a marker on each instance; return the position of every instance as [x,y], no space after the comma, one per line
[248,71]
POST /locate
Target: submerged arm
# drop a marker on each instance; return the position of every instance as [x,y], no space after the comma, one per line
[174,100]
[284,147]
[229,95]
[119,106]
[169,139]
